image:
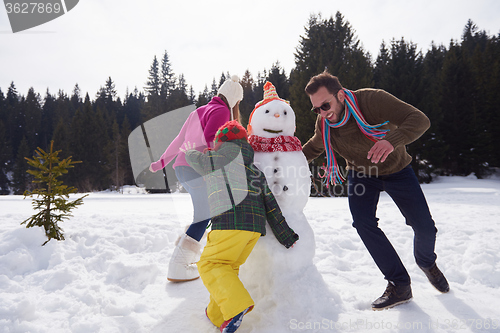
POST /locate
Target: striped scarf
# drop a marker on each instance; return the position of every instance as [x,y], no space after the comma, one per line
[332,173]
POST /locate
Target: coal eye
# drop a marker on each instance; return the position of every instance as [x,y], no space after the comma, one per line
[267,111]
[285,113]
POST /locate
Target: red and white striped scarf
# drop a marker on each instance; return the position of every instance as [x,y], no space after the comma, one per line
[279,143]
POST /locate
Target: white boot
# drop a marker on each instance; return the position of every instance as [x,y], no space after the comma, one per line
[182,266]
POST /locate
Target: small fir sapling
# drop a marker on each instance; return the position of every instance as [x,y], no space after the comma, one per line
[52,201]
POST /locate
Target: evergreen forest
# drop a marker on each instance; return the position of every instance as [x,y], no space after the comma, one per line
[456,85]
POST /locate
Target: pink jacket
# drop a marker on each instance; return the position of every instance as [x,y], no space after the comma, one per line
[199,128]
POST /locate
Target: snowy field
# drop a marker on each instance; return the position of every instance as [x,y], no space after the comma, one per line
[109,275]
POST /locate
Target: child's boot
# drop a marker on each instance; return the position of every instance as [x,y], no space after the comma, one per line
[182,266]
[231,325]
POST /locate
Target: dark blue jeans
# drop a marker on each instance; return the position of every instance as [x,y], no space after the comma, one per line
[404,189]
[196,187]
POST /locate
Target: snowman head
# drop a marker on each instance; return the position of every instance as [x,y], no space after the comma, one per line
[272,116]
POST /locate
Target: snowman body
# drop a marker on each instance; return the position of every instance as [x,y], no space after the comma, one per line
[276,277]
[288,176]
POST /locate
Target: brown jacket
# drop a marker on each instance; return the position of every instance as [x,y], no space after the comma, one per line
[406,124]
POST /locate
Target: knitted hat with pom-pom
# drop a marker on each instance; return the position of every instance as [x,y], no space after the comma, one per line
[231,130]
[232,90]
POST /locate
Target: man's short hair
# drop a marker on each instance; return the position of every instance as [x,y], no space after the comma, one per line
[325,79]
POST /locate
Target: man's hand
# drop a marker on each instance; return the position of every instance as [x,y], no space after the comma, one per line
[380,150]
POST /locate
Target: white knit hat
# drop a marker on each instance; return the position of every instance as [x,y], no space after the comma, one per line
[232,90]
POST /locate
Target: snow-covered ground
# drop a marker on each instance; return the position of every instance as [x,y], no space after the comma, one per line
[109,275]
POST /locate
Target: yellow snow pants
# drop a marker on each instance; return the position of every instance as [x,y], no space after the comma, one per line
[219,265]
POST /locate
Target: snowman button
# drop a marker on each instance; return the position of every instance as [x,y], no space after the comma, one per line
[275,170]
[285,188]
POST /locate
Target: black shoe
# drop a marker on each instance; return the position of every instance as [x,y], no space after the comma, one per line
[393,295]
[436,278]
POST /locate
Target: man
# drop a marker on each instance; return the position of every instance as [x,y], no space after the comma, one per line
[370,129]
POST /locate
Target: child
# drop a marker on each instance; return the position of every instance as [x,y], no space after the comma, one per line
[200,127]
[240,201]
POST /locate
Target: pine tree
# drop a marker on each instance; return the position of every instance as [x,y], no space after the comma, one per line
[249,101]
[381,64]
[63,111]
[132,107]
[48,123]
[182,86]
[215,88]
[117,148]
[167,77]
[76,99]
[100,138]
[126,163]
[5,160]
[32,118]
[2,107]
[457,104]
[62,136]
[492,99]
[112,104]
[433,148]
[153,88]
[203,98]
[402,71]
[20,178]
[258,88]
[479,50]
[15,118]
[192,97]
[110,89]
[83,141]
[52,196]
[179,96]
[278,78]
[222,79]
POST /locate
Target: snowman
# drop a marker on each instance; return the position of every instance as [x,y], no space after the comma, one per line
[273,275]
[278,154]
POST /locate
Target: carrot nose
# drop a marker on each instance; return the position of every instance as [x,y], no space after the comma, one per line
[277,115]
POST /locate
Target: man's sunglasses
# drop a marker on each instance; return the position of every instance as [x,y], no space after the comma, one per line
[325,107]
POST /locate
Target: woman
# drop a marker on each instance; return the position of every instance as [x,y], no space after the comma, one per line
[199,129]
